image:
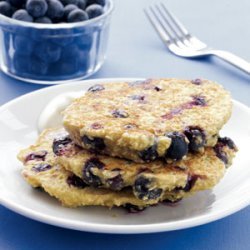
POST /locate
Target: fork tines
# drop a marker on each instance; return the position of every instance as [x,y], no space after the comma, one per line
[169,28]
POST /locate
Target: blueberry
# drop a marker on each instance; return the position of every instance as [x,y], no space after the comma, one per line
[88,176]
[100,2]
[133,208]
[43,19]
[220,153]
[119,113]
[41,167]
[178,147]
[70,50]
[197,81]
[84,42]
[227,142]
[60,145]
[129,126]
[23,45]
[48,52]
[68,8]
[36,8]
[82,4]
[64,67]
[137,97]
[97,144]
[37,66]
[191,180]
[66,2]
[95,88]
[55,9]
[171,202]
[199,101]
[22,15]
[37,156]
[17,3]
[77,63]
[149,154]
[62,37]
[6,9]
[20,64]
[77,15]
[196,137]
[219,148]
[116,183]
[75,181]
[143,190]
[157,88]
[94,10]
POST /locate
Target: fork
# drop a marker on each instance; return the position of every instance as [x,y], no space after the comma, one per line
[182,43]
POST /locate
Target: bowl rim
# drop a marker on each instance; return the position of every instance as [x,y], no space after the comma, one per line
[11,21]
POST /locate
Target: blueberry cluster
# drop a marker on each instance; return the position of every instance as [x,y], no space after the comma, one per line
[88,172]
[52,11]
[144,191]
[52,54]
[41,57]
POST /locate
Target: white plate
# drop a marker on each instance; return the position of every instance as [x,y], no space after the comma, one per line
[18,128]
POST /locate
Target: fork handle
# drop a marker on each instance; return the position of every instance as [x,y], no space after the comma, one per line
[233,59]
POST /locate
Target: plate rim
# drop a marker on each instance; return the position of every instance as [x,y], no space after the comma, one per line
[111,228]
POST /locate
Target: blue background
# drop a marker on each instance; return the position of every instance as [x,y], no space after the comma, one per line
[136,51]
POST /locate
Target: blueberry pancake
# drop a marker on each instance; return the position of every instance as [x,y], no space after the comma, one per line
[41,170]
[145,120]
[71,191]
[149,181]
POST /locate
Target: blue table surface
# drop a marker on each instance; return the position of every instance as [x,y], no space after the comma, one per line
[135,51]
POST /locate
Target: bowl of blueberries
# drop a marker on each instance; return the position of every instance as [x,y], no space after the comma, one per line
[53,41]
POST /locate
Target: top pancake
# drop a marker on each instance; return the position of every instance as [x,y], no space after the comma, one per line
[135,120]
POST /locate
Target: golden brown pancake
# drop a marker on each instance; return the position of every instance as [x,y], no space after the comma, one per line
[146,120]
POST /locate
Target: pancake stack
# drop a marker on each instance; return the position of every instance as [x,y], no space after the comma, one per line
[134,144]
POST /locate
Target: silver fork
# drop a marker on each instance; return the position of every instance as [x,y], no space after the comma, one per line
[180,41]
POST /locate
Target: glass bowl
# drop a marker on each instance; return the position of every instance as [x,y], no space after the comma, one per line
[53,53]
